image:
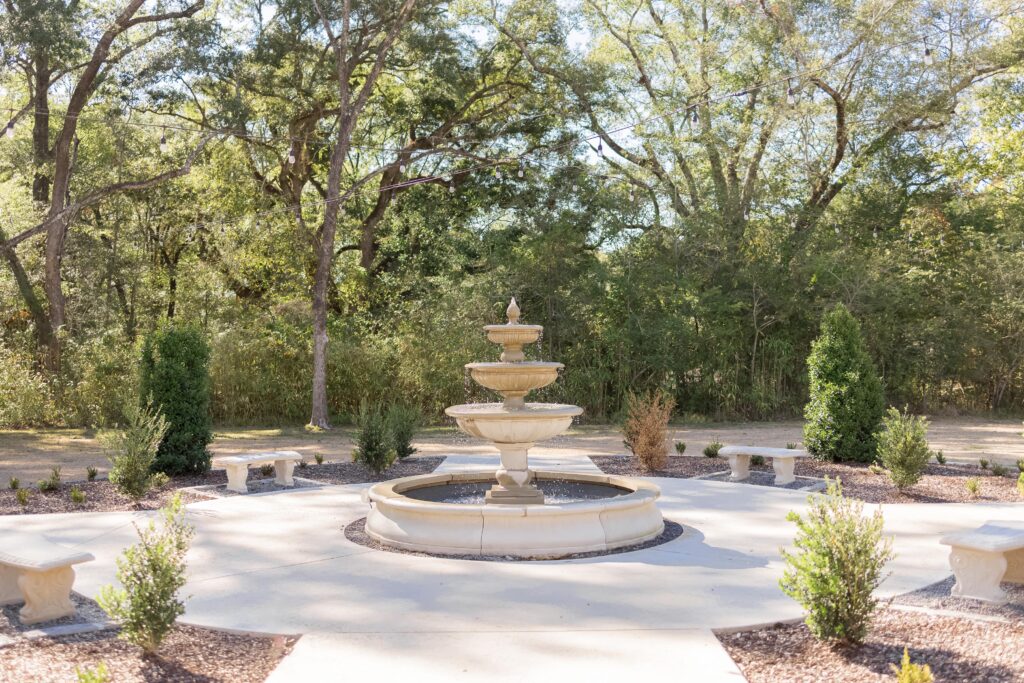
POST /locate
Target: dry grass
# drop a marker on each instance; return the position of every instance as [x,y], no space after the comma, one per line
[646,428]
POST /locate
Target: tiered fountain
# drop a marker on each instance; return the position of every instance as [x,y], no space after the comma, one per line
[516,511]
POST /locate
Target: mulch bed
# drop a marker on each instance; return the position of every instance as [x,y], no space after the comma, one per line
[956,649]
[188,654]
[939,484]
[102,496]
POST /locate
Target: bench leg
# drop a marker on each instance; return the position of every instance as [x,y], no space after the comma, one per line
[978,575]
[9,591]
[1014,566]
[784,470]
[237,475]
[284,469]
[740,467]
[47,594]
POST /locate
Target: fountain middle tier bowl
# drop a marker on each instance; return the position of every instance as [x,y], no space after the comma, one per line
[514,379]
[529,424]
[606,512]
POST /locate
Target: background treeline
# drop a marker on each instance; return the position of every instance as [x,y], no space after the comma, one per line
[652,263]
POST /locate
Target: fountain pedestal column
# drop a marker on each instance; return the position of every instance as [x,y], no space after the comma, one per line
[514,487]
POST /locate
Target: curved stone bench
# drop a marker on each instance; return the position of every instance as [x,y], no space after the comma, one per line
[982,558]
[38,572]
[783,461]
[237,467]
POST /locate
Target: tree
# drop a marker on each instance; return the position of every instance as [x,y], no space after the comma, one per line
[846,398]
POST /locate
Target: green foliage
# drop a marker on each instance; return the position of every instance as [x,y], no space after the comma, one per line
[14,483]
[903,447]
[266,469]
[680,447]
[983,463]
[99,674]
[757,460]
[319,458]
[711,450]
[22,496]
[646,428]
[792,446]
[151,574]
[25,399]
[91,473]
[973,486]
[940,457]
[77,495]
[999,470]
[1020,484]
[846,399]
[373,443]
[132,451]
[1020,465]
[838,563]
[51,483]
[876,469]
[174,376]
[402,422]
[908,672]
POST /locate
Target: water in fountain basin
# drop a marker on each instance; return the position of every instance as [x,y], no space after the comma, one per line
[556,492]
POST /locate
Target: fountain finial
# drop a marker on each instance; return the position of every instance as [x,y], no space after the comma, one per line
[513,312]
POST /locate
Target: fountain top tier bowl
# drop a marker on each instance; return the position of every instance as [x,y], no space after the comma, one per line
[513,335]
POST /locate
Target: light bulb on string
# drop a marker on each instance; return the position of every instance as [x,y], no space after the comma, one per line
[163,142]
[521,173]
[693,115]
[497,174]
[600,148]
[10,130]
[632,197]
[451,188]
[401,168]
[790,93]
[928,58]
[291,154]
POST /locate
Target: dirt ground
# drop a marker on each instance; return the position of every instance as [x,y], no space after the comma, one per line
[30,454]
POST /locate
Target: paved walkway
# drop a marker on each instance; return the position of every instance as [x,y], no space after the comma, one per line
[279,563]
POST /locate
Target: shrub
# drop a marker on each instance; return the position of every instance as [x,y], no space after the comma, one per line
[757,460]
[711,450]
[908,672]
[838,564]
[91,473]
[846,399]
[1020,484]
[1020,465]
[14,483]
[646,428]
[876,469]
[175,378]
[680,447]
[159,480]
[303,464]
[940,457]
[983,463]
[402,422]
[98,675]
[266,469]
[373,446]
[22,496]
[999,470]
[132,451]
[151,573]
[319,457]
[77,495]
[51,483]
[792,446]
[903,447]
[973,486]
[25,395]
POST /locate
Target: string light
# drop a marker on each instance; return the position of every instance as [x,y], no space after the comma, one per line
[451,188]
[928,58]
[790,93]
[522,172]
[291,155]
[10,130]
[401,168]
[600,148]
[163,142]
[693,115]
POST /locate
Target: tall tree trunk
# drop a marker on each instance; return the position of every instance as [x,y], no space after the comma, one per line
[41,156]
[40,321]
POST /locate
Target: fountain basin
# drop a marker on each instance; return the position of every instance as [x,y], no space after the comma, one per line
[514,380]
[627,516]
[526,425]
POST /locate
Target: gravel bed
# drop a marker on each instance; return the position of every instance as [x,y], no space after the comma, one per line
[258,485]
[86,612]
[957,650]
[937,596]
[100,496]
[188,655]
[759,478]
[356,532]
[358,473]
[939,484]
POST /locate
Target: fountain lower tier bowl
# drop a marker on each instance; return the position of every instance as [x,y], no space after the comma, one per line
[526,425]
[514,380]
[605,513]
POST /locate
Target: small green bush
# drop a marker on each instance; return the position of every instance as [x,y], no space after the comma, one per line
[132,451]
[1020,484]
[14,483]
[876,469]
[175,378]
[940,457]
[22,496]
[846,398]
[266,469]
[91,473]
[792,446]
[373,444]
[711,450]
[838,564]
[303,464]
[98,675]
[908,672]
[402,422]
[319,457]
[52,483]
[680,447]
[903,447]
[999,470]
[159,480]
[646,428]
[757,460]
[151,573]
[1020,465]
[983,463]
[973,486]
[77,495]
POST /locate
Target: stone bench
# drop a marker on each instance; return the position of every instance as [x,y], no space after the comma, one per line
[982,558]
[237,467]
[38,573]
[783,461]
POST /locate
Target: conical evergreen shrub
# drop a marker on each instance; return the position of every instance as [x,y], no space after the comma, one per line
[846,398]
